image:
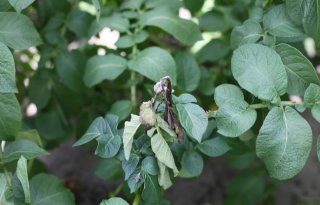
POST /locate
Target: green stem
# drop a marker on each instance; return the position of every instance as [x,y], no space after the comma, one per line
[133,89]
[117,191]
[136,200]
[212,114]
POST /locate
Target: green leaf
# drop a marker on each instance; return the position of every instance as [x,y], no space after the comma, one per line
[193,119]
[193,6]
[31,135]
[14,150]
[259,70]
[70,69]
[130,128]
[79,22]
[225,92]
[22,174]
[311,19]
[242,184]
[154,63]
[188,72]
[132,4]
[129,166]
[151,192]
[294,10]
[19,5]
[4,187]
[162,151]
[215,50]
[164,176]
[40,91]
[4,5]
[184,99]
[109,169]
[97,128]
[183,30]
[249,32]
[149,164]
[284,142]
[101,68]
[191,164]
[17,31]
[312,100]
[278,23]
[10,115]
[214,20]
[121,108]
[7,71]
[172,5]
[115,22]
[97,6]
[49,190]
[53,130]
[114,201]
[299,69]
[214,147]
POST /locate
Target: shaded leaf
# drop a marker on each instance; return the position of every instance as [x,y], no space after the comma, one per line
[19,5]
[22,174]
[214,147]
[7,71]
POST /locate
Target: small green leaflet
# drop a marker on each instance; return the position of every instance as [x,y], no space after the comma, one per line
[234,116]
[214,147]
[154,63]
[311,18]
[284,142]
[19,5]
[312,100]
[193,119]
[162,151]
[7,71]
[22,174]
[299,69]
[121,108]
[130,128]
[191,164]
[14,150]
[278,23]
[183,30]
[114,201]
[10,115]
[249,32]
[116,22]
[97,6]
[259,70]
[17,31]
[188,72]
[164,176]
[49,190]
[101,68]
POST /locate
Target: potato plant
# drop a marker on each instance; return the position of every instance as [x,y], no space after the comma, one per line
[167,96]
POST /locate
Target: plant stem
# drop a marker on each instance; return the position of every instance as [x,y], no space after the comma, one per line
[117,191]
[136,200]
[212,114]
[133,89]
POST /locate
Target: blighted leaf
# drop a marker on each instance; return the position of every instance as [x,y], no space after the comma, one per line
[147,115]
[154,63]
[259,70]
[185,31]
[130,128]
[249,32]
[7,71]
[278,23]
[14,150]
[188,72]
[312,100]
[10,115]
[193,119]
[101,68]
[162,151]
[299,69]
[49,190]
[214,147]
[22,174]
[114,201]
[17,31]
[284,142]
